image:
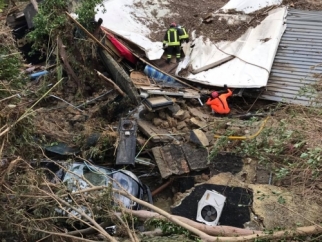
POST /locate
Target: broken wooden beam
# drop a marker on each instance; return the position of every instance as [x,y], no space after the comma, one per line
[116,87]
[89,34]
[68,68]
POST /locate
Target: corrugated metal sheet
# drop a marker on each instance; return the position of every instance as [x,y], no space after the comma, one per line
[297,68]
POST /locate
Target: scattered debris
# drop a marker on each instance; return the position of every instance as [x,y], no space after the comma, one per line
[156,103]
[210,208]
[77,176]
[198,137]
[170,160]
[62,149]
[127,142]
[139,102]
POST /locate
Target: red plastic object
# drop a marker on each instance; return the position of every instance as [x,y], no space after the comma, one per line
[122,49]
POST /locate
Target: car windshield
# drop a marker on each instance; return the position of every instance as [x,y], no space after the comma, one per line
[94,175]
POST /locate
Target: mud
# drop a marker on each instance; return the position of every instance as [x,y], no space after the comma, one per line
[304,4]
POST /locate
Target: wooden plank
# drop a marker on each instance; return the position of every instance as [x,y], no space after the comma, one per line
[170,160]
[151,131]
[163,168]
[164,66]
[139,78]
[148,87]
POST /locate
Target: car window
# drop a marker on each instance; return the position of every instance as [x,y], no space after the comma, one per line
[95,175]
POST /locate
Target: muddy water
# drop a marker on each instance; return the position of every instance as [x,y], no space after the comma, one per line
[163,203]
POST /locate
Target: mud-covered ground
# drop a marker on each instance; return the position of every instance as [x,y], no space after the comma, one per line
[192,13]
[304,4]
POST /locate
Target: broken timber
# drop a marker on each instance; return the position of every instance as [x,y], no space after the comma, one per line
[154,133]
[120,77]
[111,82]
[170,160]
[177,160]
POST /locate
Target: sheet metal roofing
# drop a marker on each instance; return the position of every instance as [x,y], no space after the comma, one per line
[297,69]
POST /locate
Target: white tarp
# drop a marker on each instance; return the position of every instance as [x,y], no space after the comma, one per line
[254,55]
[121,16]
[248,6]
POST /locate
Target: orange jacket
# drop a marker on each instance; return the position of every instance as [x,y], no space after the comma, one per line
[219,104]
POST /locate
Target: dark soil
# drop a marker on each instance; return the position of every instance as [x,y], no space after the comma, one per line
[226,163]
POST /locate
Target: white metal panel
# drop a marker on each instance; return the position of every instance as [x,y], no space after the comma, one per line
[121,16]
[248,6]
[255,52]
[298,63]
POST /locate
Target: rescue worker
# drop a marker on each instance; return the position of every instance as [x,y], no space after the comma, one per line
[218,102]
[183,35]
[172,43]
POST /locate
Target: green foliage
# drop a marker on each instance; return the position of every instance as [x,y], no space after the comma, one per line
[278,144]
[87,10]
[168,227]
[219,145]
[2,5]
[50,21]
[313,158]
[10,65]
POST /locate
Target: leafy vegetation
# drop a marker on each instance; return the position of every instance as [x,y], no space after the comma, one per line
[168,227]
[288,143]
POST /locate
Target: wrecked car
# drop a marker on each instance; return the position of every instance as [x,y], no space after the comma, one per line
[78,175]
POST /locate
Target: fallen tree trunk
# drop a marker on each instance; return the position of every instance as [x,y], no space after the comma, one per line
[210,230]
[315,229]
[223,230]
[244,234]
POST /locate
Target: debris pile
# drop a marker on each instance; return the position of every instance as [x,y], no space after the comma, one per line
[98,129]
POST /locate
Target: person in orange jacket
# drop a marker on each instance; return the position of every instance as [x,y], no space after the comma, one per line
[218,102]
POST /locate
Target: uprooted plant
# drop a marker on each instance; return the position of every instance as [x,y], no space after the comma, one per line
[71,58]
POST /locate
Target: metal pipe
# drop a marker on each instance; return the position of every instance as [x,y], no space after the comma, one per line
[162,187]
[200,101]
[270,178]
[66,102]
